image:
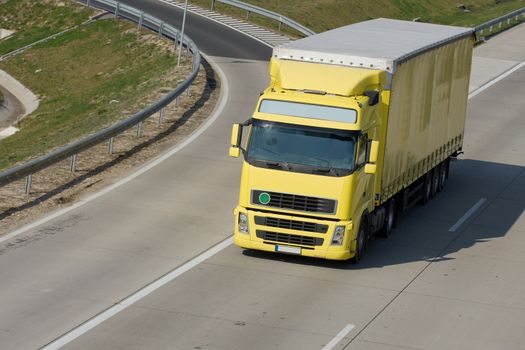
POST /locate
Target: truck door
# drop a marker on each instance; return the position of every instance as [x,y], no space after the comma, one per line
[363,194]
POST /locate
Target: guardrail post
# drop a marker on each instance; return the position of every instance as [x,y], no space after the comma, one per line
[188,90]
[213,5]
[139,129]
[141,19]
[499,25]
[110,145]
[29,180]
[247,14]
[490,29]
[161,116]
[117,8]
[280,24]
[73,163]
[177,102]
[160,29]
[175,41]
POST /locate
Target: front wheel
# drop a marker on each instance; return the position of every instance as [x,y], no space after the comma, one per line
[362,237]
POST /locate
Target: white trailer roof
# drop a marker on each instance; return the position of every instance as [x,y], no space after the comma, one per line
[377,44]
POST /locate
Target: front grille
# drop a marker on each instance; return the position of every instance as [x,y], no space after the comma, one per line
[291,224]
[291,239]
[296,202]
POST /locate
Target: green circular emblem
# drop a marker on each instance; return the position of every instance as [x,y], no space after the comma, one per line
[264,198]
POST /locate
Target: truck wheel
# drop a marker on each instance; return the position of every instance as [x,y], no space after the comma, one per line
[427,188]
[442,176]
[435,180]
[390,219]
[362,237]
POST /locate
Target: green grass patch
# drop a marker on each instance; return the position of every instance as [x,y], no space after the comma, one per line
[35,20]
[322,15]
[86,80]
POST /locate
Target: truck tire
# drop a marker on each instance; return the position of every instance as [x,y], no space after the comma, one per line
[442,176]
[362,238]
[435,180]
[427,188]
[390,219]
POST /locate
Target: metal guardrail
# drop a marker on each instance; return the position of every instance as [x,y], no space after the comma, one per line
[144,20]
[71,150]
[495,25]
[266,13]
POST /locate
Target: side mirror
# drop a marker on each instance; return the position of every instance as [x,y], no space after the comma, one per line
[235,150]
[236,135]
[374,151]
[370,168]
[236,139]
[373,97]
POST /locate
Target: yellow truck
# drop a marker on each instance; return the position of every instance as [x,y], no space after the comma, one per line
[358,123]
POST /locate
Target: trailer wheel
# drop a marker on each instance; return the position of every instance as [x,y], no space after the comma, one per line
[442,176]
[390,220]
[435,180]
[362,237]
[427,188]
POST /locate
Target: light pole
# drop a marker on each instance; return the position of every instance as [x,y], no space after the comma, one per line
[182,31]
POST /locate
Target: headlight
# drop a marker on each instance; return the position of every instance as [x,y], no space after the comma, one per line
[243,223]
[339,235]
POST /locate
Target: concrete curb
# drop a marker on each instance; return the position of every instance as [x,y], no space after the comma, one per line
[28,99]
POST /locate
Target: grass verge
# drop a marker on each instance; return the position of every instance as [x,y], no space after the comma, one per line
[35,20]
[86,79]
[322,15]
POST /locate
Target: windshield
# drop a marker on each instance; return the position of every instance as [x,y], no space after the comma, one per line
[302,148]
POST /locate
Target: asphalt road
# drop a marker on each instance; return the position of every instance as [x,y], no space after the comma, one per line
[424,288]
[212,39]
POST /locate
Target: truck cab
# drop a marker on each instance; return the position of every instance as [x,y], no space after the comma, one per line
[309,170]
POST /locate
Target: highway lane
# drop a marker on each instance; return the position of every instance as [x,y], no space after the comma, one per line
[212,39]
[66,271]
[424,288]
[56,275]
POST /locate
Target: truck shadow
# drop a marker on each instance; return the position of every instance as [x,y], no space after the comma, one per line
[425,232]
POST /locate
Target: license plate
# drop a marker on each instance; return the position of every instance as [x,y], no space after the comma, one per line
[287,249]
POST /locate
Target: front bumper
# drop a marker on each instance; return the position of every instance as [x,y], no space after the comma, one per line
[267,237]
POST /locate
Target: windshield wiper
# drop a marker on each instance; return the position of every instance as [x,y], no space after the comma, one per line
[279,165]
[330,171]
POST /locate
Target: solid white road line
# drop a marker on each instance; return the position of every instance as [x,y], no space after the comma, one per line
[467,215]
[133,298]
[344,332]
[222,103]
[497,79]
